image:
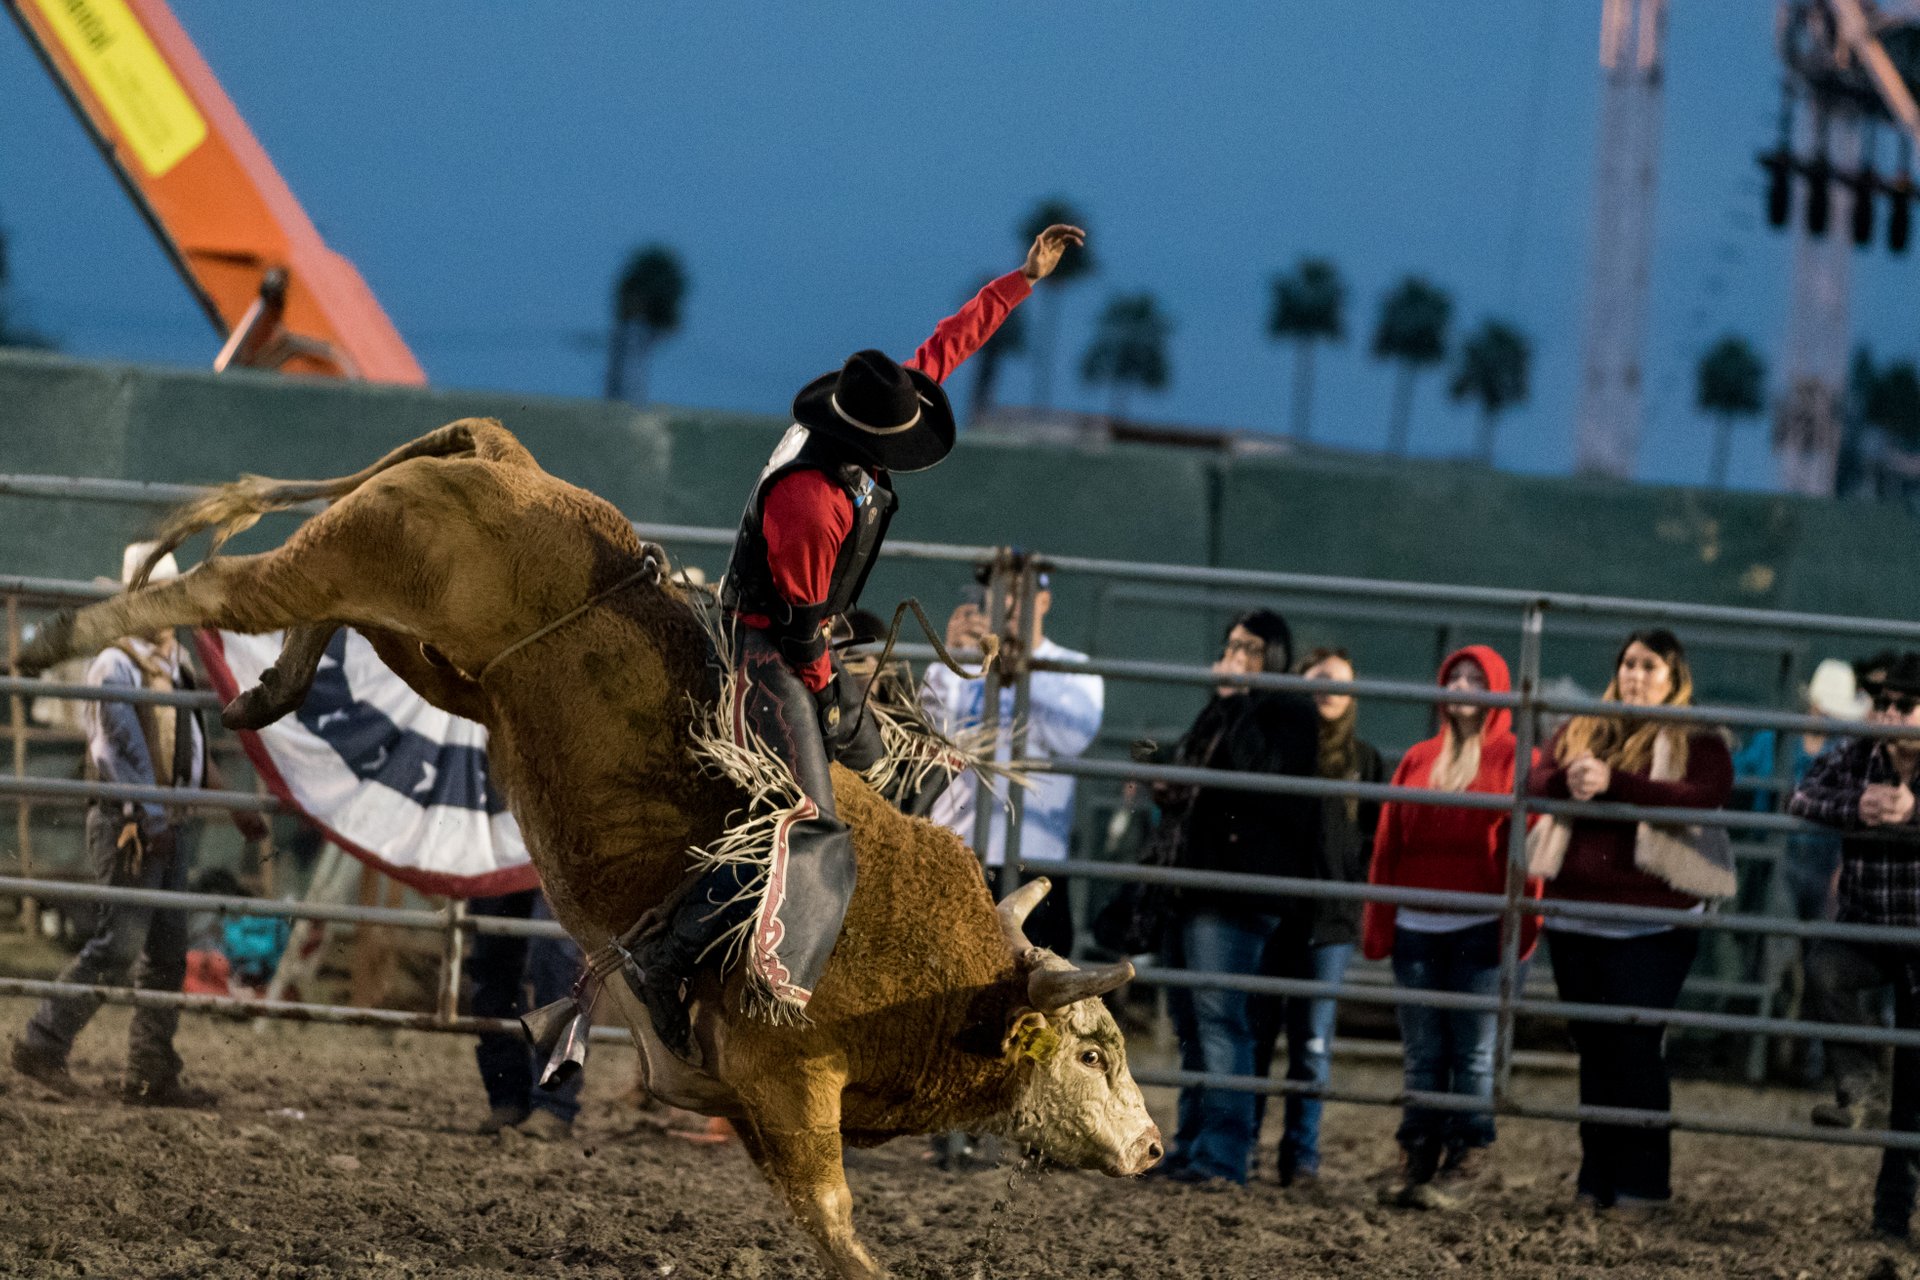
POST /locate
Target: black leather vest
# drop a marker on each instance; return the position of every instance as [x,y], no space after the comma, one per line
[749,584]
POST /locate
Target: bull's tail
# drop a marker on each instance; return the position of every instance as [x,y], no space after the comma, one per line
[230,508]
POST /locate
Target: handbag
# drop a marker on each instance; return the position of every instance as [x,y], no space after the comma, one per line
[1136,919]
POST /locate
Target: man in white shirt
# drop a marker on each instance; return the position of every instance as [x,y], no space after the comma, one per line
[1063,716]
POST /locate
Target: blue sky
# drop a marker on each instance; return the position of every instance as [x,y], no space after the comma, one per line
[837,176]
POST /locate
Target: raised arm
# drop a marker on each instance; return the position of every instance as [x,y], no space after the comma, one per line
[967,330]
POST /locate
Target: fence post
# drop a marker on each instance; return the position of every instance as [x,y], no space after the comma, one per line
[452,957]
[17,724]
[1028,586]
[990,704]
[1528,689]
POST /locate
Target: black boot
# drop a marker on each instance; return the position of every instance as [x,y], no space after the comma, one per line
[663,961]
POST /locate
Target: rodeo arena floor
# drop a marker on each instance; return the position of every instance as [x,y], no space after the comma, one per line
[342,1149]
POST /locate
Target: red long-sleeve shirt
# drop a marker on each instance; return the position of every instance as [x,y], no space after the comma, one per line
[806,516]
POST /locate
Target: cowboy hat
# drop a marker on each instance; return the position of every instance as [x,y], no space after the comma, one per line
[133,557]
[894,417]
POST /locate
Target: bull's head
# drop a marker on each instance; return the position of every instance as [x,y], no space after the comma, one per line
[1077,1103]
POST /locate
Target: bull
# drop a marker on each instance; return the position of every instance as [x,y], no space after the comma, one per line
[504,595]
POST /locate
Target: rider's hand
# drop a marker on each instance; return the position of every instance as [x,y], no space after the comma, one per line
[836,720]
[1044,256]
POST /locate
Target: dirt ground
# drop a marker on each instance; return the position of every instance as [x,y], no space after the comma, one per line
[342,1152]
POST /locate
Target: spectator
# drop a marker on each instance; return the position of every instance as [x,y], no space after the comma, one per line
[1463,850]
[1318,936]
[1063,716]
[1626,760]
[1864,788]
[503,966]
[135,845]
[1810,860]
[1247,833]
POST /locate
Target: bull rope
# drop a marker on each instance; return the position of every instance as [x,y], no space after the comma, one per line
[649,568]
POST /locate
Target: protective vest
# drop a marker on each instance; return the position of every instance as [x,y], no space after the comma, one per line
[799,631]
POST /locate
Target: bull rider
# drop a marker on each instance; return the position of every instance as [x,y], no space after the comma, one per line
[812,529]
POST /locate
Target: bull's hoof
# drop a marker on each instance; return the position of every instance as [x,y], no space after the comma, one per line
[255,709]
[52,642]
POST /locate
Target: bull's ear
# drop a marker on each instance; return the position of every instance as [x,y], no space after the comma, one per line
[1029,1036]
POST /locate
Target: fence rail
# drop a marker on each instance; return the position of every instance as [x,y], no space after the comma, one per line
[1015,576]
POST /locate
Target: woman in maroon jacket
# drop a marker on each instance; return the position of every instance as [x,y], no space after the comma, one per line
[1465,850]
[1597,961]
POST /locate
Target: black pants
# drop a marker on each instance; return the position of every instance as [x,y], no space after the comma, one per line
[1893,1194]
[144,943]
[1846,983]
[503,967]
[1621,1065]
[810,876]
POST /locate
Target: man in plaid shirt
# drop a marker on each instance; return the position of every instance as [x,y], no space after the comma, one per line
[1864,787]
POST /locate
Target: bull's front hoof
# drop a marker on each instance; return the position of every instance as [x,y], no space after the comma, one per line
[52,642]
[255,709]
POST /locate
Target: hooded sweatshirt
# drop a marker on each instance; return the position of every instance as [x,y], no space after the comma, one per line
[1423,846]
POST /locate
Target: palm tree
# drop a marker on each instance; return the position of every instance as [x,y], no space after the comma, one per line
[1076,263]
[1129,348]
[12,335]
[1730,384]
[1010,339]
[646,308]
[1492,373]
[1308,306]
[1893,404]
[1413,331]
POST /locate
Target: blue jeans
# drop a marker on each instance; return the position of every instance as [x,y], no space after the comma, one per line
[1308,1025]
[1216,1128]
[1448,1050]
[502,967]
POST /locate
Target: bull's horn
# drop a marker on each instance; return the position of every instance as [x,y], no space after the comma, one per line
[1050,988]
[1014,910]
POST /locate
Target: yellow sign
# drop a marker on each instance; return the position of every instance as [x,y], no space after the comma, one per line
[152,113]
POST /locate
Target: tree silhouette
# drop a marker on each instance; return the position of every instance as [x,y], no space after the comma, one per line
[1730,384]
[1309,306]
[11,334]
[1893,404]
[1010,339]
[646,308]
[1493,373]
[1413,332]
[1076,263]
[1129,348]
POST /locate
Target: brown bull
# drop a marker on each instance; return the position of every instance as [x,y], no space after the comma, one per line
[453,555]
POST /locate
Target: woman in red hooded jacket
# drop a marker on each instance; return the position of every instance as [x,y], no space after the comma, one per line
[1433,847]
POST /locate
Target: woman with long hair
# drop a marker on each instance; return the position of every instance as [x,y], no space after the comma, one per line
[1636,760]
[1465,850]
[1319,942]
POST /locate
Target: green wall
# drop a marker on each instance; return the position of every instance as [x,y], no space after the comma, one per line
[1421,520]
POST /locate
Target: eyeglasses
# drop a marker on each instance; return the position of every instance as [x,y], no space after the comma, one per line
[1252,648]
[1903,703]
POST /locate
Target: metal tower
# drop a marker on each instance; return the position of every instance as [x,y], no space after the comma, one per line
[1823,183]
[1626,163]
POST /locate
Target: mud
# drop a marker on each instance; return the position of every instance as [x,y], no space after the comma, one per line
[340,1152]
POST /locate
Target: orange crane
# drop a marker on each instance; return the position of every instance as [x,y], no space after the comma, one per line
[276,293]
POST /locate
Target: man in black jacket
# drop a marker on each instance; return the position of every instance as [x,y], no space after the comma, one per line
[1244,832]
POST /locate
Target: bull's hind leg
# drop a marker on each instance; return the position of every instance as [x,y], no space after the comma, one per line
[283,686]
[250,594]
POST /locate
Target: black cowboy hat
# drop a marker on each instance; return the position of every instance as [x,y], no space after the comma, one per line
[893,417]
[1903,675]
